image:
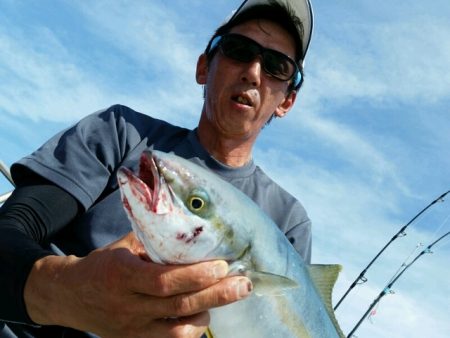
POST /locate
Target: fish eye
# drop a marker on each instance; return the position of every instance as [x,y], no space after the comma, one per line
[242,270]
[196,203]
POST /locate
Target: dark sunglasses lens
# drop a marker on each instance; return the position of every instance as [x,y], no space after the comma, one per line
[278,65]
[239,49]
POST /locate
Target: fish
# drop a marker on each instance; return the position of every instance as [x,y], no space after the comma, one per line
[183,213]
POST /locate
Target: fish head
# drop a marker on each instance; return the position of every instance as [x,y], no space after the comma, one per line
[177,211]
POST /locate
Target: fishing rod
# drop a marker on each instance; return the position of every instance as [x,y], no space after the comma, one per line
[388,288]
[4,197]
[361,279]
[5,171]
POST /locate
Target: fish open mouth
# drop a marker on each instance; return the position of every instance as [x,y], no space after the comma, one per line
[149,186]
[149,173]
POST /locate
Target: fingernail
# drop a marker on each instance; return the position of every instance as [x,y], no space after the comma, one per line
[244,287]
[220,270]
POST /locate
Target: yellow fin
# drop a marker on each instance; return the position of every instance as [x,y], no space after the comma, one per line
[266,283]
[324,278]
[207,334]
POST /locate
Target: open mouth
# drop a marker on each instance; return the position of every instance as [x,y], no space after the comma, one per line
[243,99]
[149,187]
[148,173]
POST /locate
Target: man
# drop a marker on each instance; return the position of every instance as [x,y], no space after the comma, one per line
[68,261]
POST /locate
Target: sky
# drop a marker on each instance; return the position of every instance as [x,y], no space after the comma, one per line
[365,148]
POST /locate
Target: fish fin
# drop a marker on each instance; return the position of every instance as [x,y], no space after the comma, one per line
[207,334]
[324,278]
[265,283]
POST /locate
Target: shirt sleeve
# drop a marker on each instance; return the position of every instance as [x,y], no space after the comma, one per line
[67,174]
[301,238]
[83,159]
[27,221]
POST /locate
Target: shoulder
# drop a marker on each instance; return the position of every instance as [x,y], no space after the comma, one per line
[286,210]
[122,114]
[272,188]
[124,123]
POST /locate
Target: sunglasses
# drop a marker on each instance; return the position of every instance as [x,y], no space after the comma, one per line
[243,49]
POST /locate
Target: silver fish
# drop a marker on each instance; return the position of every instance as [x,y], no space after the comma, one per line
[183,213]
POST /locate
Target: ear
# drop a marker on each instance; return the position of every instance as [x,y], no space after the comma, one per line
[286,104]
[201,73]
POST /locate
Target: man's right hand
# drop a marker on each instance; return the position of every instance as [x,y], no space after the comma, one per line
[116,292]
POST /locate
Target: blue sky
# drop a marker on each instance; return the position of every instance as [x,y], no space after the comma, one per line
[365,148]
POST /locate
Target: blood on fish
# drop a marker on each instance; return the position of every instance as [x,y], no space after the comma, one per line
[127,206]
[182,236]
[197,231]
[140,190]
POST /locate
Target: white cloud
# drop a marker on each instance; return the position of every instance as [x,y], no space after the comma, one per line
[355,148]
[147,33]
[42,82]
[46,79]
[400,59]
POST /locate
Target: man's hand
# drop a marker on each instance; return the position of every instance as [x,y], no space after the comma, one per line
[116,292]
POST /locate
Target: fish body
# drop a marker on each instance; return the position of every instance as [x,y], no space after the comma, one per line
[183,213]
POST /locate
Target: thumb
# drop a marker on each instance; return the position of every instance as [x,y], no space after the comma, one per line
[133,244]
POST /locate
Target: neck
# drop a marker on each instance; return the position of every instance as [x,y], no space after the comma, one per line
[231,150]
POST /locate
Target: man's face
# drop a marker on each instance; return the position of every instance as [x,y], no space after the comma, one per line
[241,97]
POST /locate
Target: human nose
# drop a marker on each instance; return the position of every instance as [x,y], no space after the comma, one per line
[252,72]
